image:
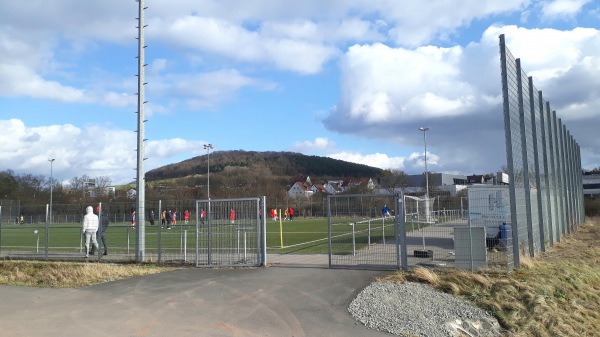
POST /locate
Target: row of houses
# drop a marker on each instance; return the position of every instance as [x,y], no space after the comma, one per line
[303,188]
[451,183]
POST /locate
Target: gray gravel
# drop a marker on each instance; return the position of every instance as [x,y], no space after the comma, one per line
[414,309]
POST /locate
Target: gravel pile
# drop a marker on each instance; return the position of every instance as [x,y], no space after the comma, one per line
[414,309]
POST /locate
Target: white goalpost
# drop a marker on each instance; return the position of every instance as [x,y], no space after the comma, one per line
[419,209]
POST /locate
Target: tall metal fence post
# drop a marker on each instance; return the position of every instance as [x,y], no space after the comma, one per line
[0,228]
[470,241]
[159,239]
[353,240]
[329,252]
[369,235]
[197,235]
[383,229]
[401,248]
[264,231]
[185,245]
[47,239]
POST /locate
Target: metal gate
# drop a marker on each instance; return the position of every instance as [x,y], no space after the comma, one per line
[230,232]
[364,231]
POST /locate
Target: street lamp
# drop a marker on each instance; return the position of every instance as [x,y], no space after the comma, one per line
[426,173]
[51,187]
[208,147]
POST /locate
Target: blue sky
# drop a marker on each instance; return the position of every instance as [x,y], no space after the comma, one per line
[352,80]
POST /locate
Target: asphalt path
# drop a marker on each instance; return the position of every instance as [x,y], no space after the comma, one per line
[272,301]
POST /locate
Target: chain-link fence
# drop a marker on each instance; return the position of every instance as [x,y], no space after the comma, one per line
[362,232]
[467,231]
[230,232]
[219,239]
[543,161]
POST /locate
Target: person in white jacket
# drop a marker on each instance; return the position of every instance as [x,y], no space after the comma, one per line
[89,229]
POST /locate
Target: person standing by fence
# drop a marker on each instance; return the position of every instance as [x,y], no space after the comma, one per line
[89,229]
[186,216]
[100,235]
[291,213]
[151,217]
[385,211]
[168,218]
[232,216]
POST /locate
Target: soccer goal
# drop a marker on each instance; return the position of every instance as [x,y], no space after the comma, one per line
[419,209]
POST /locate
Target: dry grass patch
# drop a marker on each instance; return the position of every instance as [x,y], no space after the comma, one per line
[69,274]
[555,294]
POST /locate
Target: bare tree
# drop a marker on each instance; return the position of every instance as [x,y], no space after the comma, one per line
[78,185]
[391,180]
[102,182]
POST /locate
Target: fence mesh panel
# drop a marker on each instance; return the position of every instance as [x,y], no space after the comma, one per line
[229,233]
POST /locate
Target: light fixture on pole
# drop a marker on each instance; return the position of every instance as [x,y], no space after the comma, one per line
[208,147]
[51,187]
[424,129]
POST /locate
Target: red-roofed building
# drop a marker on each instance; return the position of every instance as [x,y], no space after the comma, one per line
[300,190]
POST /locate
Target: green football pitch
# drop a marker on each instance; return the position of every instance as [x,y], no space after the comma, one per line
[301,236]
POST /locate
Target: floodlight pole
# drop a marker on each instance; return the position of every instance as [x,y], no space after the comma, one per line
[140,242]
[51,186]
[425,129]
[208,147]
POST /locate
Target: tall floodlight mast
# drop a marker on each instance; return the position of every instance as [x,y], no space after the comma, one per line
[424,129]
[140,243]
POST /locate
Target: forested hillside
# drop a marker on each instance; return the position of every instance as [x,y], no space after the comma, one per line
[283,164]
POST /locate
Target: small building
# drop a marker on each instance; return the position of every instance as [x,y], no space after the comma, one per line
[591,184]
[318,188]
[438,179]
[300,190]
[350,183]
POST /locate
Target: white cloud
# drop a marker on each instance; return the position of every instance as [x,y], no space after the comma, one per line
[109,20]
[563,65]
[389,92]
[380,160]
[332,31]
[562,9]
[237,43]
[167,148]
[442,18]
[94,150]
[415,162]
[318,144]
[204,90]
[383,85]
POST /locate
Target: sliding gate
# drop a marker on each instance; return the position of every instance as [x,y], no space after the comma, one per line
[230,232]
[362,235]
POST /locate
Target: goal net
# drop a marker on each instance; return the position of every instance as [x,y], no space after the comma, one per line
[419,209]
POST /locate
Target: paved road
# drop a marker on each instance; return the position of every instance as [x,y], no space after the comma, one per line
[272,301]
